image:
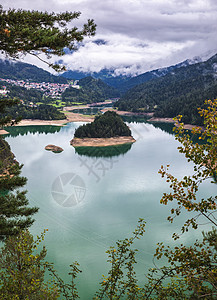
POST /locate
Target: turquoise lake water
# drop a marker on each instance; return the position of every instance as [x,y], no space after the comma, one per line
[88,200]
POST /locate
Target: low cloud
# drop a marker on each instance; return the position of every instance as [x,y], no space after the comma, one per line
[128,56]
[134,36]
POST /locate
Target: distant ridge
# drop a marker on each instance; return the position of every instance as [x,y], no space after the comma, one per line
[125,83]
[91,90]
[22,71]
[181,91]
[106,75]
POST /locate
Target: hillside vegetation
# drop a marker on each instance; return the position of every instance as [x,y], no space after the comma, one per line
[27,95]
[91,90]
[180,92]
[40,112]
[23,71]
[106,75]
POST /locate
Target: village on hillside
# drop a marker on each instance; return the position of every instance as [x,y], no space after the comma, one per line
[53,90]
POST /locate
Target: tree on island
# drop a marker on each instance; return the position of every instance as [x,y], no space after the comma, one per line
[28,32]
[107,125]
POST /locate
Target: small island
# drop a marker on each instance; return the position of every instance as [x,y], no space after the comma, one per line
[53,148]
[107,129]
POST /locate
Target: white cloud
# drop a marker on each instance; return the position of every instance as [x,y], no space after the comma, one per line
[140,34]
[128,55]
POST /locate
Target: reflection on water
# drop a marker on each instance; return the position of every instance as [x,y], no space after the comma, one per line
[166,127]
[108,151]
[92,110]
[103,105]
[87,111]
[24,130]
[135,119]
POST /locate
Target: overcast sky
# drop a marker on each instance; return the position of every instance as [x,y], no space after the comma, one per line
[136,35]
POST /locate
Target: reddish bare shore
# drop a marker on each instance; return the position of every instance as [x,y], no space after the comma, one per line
[102,142]
[2,131]
[70,117]
[163,120]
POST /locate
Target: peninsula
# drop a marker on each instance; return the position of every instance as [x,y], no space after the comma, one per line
[106,130]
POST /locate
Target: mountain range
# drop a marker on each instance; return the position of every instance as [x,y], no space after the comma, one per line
[180,91]
[22,71]
[106,75]
[125,83]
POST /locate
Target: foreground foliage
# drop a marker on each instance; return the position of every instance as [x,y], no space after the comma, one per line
[121,281]
[15,214]
[36,32]
[23,269]
[191,270]
[28,32]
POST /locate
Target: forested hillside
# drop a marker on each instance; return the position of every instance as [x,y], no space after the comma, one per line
[147,76]
[179,92]
[40,112]
[22,71]
[28,95]
[91,90]
[107,76]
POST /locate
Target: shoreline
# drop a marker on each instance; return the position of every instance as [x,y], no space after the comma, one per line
[102,142]
[171,121]
[163,120]
[76,117]
[2,131]
[70,117]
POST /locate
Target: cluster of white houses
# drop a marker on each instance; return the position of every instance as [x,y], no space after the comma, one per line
[3,91]
[53,90]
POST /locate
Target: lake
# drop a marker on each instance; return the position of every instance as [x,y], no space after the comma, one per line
[88,200]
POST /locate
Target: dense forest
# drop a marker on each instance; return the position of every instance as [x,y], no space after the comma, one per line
[21,71]
[91,90]
[40,112]
[104,126]
[179,92]
[27,95]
